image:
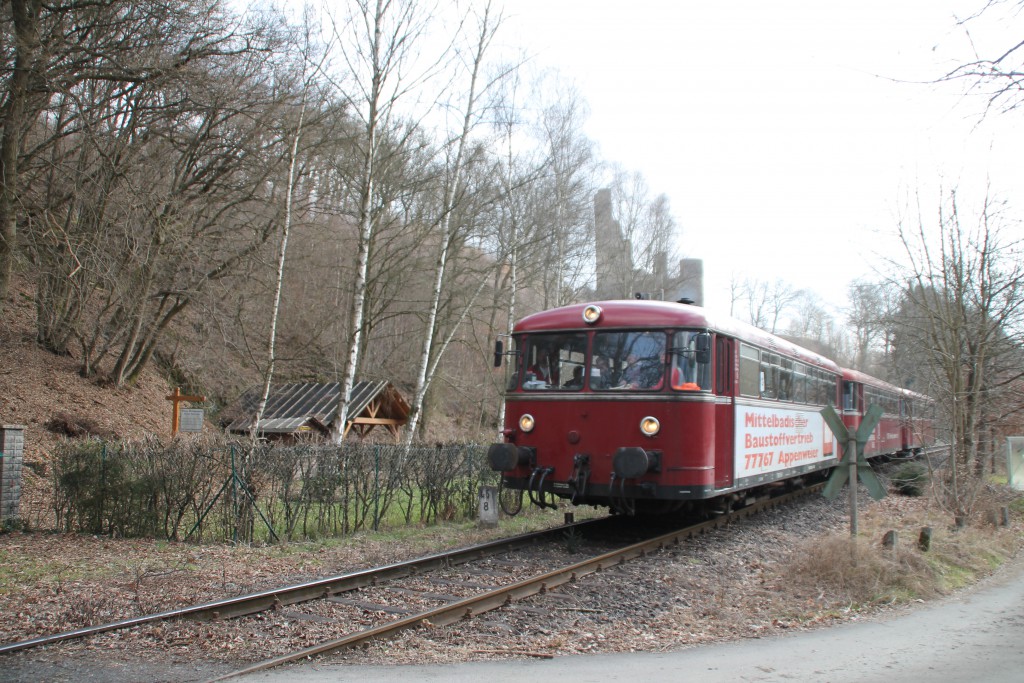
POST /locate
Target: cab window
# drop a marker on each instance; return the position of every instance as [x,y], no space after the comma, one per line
[691,361]
[550,362]
[628,361]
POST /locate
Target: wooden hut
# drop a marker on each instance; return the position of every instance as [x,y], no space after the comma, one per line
[312,408]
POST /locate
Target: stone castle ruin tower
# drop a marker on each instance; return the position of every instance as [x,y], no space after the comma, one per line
[618,278]
[614,252]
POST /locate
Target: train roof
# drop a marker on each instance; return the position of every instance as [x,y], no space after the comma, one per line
[635,314]
[851,375]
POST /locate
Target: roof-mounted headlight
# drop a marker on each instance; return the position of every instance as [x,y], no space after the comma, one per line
[591,314]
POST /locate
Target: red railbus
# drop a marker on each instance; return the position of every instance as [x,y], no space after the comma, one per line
[658,406]
[907,423]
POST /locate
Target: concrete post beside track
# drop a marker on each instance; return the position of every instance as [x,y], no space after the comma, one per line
[12,446]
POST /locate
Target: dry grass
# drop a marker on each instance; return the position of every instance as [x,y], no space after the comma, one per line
[864,574]
[870,573]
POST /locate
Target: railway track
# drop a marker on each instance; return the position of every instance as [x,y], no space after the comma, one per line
[501,596]
[278,598]
[380,602]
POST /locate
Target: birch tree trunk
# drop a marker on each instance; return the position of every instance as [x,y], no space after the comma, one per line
[268,374]
[338,428]
[377,43]
[425,372]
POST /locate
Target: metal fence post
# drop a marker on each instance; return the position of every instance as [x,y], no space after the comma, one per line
[103,485]
[376,488]
[234,498]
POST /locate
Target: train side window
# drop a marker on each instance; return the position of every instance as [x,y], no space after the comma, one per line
[786,380]
[769,375]
[750,371]
[800,383]
[819,387]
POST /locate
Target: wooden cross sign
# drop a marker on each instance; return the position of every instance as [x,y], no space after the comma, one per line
[177,397]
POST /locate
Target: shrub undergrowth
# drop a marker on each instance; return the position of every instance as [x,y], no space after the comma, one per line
[911,478]
[203,489]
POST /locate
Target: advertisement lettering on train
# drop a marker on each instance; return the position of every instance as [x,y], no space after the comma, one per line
[773,439]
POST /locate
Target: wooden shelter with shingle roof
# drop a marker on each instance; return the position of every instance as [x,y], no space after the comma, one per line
[312,407]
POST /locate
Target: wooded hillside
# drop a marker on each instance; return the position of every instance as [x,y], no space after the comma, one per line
[240,199]
[199,198]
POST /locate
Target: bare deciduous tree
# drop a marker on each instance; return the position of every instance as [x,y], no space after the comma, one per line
[145,172]
[995,76]
[867,316]
[963,315]
[22,99]
[649,235]
[451,233]
[566,251]
[378,41]
[768,301]
[516,231]
[282,255]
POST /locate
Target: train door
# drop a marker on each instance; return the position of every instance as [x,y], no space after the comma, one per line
[725,405]
[853,404]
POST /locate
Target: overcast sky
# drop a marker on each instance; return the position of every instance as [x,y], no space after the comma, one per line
[787,134]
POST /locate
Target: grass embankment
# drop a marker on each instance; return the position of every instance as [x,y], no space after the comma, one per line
[869,572]
[52,561]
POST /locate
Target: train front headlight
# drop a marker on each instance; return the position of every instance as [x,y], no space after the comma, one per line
[591,314]
[650,426]
[527,423]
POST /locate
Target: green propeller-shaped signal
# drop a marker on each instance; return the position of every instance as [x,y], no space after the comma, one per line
[853,444]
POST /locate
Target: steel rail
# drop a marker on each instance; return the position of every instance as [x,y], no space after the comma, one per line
[252,603]
[493,599]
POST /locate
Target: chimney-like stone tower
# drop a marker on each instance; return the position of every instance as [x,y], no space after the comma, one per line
[614,253]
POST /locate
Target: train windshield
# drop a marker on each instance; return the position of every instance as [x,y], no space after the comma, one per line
[641,360]
[628,360]
[552,362]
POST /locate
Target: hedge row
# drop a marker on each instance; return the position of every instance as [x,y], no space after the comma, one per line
[201,490]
